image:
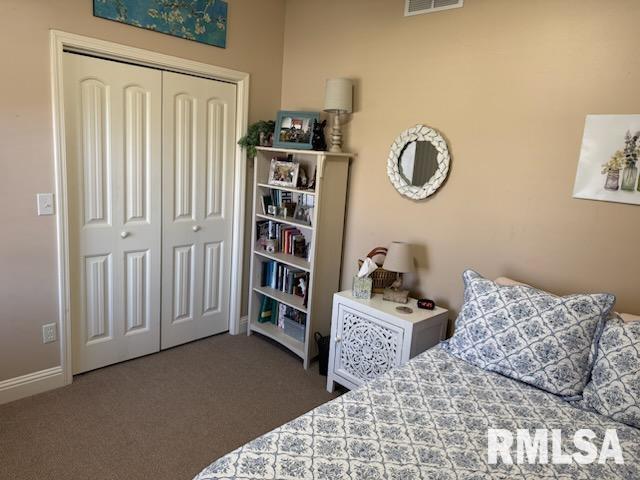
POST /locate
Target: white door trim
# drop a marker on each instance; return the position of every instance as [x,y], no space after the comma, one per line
[61,41]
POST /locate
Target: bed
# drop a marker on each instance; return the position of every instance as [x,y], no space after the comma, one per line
[425,420]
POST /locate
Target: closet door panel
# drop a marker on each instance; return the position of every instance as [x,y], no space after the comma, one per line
[113,138]
[198,153]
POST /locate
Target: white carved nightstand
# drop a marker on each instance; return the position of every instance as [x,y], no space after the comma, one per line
[370,337]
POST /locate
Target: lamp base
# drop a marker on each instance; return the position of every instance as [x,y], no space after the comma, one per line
[336,135]
[395,295]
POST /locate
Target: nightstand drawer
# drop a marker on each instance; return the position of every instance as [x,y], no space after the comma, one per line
[365,346]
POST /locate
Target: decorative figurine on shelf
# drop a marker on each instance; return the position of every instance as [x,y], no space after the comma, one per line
[400,260]
[317,141]
[303,181]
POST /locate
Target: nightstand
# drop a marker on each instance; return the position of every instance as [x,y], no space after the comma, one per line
[370,337]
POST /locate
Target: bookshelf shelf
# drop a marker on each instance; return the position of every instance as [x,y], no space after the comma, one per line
[288,299]
[286,189]
[292,223]
[275,333]
[314,153]
[287,259]
[323,238]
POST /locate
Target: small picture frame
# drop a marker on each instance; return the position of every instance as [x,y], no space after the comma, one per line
[295,130]
[303,214]
[284,174]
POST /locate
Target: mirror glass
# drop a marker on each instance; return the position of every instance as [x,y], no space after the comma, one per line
[418,162]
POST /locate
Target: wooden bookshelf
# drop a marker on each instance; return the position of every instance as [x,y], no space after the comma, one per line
[324,237]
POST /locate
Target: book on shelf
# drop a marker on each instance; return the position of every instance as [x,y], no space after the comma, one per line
[275,237]
[285,279]
[265,315]
[291,321]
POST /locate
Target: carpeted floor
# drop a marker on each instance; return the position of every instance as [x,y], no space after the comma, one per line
[164,416]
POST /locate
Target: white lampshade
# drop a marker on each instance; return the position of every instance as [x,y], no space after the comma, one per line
[399,258]
[338,95]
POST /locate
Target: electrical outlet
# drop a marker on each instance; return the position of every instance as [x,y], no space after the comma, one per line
[49,333]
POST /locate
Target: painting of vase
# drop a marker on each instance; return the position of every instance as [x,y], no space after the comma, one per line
[608,165]
[629,178]
[613,180]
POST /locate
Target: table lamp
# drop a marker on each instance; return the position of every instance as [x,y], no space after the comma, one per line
[399,259]
[338,100]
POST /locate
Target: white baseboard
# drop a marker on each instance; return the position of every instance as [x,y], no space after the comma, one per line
[244,324]
[31,384]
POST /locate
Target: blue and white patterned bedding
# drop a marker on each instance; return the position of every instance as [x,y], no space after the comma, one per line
[425,420]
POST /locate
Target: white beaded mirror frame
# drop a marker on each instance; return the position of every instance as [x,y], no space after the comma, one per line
[419,133]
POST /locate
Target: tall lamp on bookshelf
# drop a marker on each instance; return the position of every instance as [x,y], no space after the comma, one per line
[338,100]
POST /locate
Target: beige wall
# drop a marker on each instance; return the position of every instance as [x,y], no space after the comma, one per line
[27,242]
[508,83]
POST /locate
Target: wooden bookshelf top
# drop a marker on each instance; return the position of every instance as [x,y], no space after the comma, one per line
[305,152]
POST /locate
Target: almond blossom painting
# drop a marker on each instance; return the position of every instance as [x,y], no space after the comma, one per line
[608,169]
[203,21]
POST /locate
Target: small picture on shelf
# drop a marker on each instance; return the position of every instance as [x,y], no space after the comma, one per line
[283,174]
[295,129]
[288,208]
[267,202]
[303,214]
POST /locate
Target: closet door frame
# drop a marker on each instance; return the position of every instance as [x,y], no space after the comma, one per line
[59,42]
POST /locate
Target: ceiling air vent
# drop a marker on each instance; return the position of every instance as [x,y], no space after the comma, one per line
[416,7]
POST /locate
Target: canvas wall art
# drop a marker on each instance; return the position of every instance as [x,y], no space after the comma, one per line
[608,166]
[203,21]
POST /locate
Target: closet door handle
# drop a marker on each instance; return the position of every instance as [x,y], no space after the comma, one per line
[124,234]
[195,228]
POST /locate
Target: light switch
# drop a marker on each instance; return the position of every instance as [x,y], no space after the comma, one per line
[45,204]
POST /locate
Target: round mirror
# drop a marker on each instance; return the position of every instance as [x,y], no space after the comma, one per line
[419,162]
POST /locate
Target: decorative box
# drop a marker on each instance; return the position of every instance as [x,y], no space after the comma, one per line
[362,287]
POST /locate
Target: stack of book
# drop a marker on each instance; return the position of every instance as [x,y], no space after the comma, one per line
[284,278]
[277,237]
[291,321]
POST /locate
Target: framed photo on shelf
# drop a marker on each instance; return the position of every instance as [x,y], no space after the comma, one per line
[303,214]
[294,129]
[284,174]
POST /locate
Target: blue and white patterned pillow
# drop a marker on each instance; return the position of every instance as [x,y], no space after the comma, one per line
[528,334]
[614,389]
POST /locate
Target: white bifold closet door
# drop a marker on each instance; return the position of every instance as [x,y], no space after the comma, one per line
[113,139]
[150,194]
[198,148]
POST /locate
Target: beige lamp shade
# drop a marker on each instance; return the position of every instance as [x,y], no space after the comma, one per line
[399,258]
[338,96]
